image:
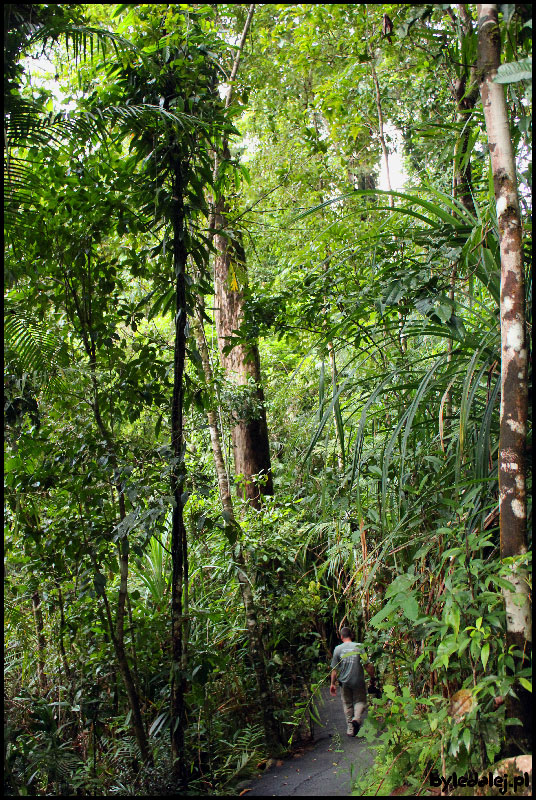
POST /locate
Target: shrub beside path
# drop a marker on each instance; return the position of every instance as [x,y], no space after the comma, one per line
[324,769]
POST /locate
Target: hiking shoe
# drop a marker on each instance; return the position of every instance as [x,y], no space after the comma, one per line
[356,726]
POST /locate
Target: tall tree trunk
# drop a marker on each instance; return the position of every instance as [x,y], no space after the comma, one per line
[513,413]
[251,449]
[179,551]
[256,647]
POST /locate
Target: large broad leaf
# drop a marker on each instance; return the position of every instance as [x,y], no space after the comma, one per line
[515,71]
[382,614]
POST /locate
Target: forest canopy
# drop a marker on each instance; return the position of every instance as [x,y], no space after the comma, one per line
[267,317]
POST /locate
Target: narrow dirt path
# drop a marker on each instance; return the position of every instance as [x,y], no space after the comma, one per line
[325,769]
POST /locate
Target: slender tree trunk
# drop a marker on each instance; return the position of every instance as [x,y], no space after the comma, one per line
[83,311]
[513,412]
[63,654]
[179,553]
[118,631]
[462,186]
[338,433]
[41,641]
[333,366]
[212,417]
[256,647]
[133,652]
[466,93]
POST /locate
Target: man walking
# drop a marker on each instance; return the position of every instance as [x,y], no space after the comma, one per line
[346,662]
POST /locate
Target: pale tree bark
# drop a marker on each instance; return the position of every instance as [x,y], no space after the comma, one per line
[513,411]
[251,450]
[256,647]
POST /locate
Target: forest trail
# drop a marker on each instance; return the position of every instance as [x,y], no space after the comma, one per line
[326,767]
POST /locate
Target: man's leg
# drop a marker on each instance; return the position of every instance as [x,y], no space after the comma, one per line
[359,709]
[359,704]
[347,698]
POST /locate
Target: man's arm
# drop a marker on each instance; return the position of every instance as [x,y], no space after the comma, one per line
[333,684]
[367,664]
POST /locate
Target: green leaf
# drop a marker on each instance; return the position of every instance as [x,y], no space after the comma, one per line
[410,607]
[452,618]
[484,654]
[99,582]
[526,684]
[444,312]
[327,414]
[399,586]
[382,614]
[232,531]
[389,691]
[466,736]
[515,71]
[159,723]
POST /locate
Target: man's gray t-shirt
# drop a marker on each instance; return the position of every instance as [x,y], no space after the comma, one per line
[347,662]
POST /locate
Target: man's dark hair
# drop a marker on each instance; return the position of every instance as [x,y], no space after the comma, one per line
[346,632]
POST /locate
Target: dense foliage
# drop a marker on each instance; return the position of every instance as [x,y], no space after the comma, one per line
[376,315]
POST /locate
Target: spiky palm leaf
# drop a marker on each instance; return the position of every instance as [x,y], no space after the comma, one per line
[427,376]
[39,352]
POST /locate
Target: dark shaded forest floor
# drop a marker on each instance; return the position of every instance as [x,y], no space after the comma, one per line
[325,768]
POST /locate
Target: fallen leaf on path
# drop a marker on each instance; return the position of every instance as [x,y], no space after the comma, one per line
[279,763]
[244,791]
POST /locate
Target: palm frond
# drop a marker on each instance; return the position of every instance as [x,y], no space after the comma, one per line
[38,351]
